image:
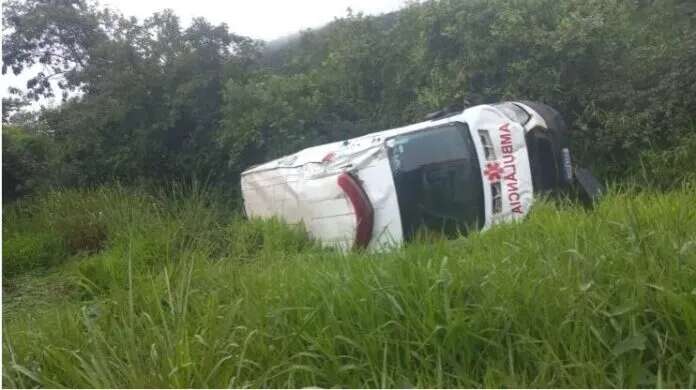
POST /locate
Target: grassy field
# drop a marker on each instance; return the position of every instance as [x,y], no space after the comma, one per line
[117,287]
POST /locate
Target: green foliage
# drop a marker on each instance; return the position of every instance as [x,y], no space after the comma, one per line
[272,116]
[670,168]
[567,298]
[248,240]
[618,71]
[27,251]
[50,228]
[169,288]
[25,162]
[158,101]
[46,230]
[172,289]
[150,91]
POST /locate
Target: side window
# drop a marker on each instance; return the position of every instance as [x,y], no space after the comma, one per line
[488,149]
[438,179]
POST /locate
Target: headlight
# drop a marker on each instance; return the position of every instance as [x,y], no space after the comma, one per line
[514,112]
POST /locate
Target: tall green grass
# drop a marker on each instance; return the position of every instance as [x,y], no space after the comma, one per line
[182,293]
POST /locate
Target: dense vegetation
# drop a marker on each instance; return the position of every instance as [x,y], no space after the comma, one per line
[154,100]
[170,290]
[121,270]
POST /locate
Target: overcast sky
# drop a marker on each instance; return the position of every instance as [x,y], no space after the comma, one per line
[260,19]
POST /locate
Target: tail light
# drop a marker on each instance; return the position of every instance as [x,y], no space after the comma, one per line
[362,207]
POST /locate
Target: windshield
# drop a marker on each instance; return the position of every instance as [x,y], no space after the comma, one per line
[438,180]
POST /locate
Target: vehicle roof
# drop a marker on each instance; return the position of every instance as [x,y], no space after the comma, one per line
[317,153]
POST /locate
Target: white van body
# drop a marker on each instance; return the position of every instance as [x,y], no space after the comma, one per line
[302,188]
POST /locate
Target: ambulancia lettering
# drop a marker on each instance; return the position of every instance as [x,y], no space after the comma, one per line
[510,169]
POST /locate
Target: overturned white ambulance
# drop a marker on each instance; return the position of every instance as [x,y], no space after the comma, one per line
[458,171]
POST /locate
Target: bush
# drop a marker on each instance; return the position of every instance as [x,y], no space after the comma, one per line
[28,251]
[83,218]
[669,168]
[49,228]
[25,160]
[130,257]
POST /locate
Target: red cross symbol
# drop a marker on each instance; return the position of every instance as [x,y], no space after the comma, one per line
[493,171]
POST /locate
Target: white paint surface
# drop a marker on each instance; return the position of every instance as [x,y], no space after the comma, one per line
[302,188]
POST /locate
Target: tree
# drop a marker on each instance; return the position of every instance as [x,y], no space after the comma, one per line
[25,161]
[149,92]
[59,35]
